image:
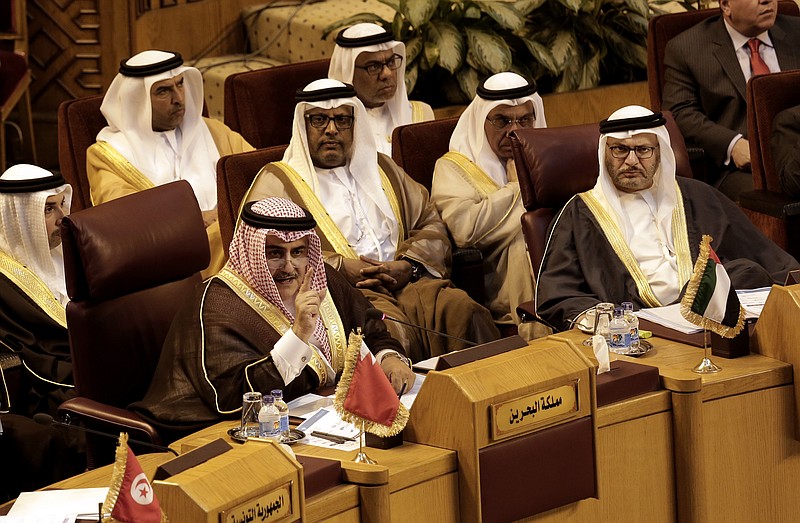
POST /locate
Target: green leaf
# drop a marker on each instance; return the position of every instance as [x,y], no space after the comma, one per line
[468,81]
[411,77]
[473,12]
[450,43]
[572,5]
[490,52]
[504,14]
[542,55]
[622,48]
[431,53]
[526,6]
[418,12]
[394,4]
[640,7]
[355,19]
[413,48]
[563,48]
[590,73]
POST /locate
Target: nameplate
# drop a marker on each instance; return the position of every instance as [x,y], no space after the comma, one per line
[272,506]
[534,411]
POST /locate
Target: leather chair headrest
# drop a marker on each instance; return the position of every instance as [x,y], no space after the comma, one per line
[555,163]
[134,243]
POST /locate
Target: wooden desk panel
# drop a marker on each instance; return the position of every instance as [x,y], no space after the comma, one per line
[427,475]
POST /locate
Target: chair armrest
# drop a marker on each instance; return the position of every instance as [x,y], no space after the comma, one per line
[698,162]
[771,203]
[105,418]
[468,272]
[526,311]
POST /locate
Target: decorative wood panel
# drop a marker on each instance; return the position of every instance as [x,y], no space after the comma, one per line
[64,50]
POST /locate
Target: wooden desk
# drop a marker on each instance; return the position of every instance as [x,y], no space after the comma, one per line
[735,459]
[420,482]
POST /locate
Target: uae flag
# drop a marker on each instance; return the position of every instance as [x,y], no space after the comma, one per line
[364,395]
[710,301]
[130,497]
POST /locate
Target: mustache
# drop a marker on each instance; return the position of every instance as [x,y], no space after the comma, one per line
[281,276]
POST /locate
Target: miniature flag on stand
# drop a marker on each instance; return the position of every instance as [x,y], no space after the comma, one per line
[364,394]
[710,301]
[130,497]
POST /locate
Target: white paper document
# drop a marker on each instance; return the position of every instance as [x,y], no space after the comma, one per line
[669,316]
[753,300]
[58,505]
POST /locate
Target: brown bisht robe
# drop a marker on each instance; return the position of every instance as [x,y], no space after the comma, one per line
[430,302]
[580,268]
[204,369]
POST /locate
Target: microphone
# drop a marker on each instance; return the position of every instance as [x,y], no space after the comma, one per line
[42,418]
[375,314]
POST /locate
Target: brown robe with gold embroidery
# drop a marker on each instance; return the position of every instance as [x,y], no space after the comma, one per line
[430,302]
[191,389]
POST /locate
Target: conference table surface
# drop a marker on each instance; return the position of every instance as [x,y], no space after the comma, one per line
[418,466]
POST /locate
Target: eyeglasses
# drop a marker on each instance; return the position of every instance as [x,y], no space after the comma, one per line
[501,122]
[321,121]
[643,152]
[278,259]
[374,68]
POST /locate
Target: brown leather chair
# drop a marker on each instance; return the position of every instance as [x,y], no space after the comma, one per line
[662,28]
[79,121]
[556,163]
[235,174]
[767,206]
[416,148]
[129,265]
[259,105]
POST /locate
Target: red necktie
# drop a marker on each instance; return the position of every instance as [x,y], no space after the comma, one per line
[756,62]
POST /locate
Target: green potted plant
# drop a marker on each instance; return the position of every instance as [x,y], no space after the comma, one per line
[564,44]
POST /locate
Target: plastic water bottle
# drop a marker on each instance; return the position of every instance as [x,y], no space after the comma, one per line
[633,326]
[620,333]
[269,419]
[283,410]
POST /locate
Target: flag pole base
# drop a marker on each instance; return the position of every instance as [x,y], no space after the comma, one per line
[362,457]
[706,367]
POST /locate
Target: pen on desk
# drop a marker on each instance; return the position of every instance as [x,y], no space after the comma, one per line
[332,437]
[402,389]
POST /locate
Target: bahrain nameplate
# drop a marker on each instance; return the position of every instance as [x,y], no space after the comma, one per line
[534,411]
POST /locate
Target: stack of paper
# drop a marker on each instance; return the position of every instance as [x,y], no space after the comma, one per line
[669,316]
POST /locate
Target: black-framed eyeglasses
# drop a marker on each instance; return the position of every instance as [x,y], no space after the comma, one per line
[276,259]
[643,152]
[321,121]
[501,122]
[374,68]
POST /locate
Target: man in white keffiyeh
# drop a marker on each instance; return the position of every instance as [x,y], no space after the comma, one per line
[636,234]
[378,227]
[275,317]
[33,326]
[157,134]
[367,56]
[476,190]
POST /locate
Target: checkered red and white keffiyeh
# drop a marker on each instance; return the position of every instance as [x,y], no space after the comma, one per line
[248,258]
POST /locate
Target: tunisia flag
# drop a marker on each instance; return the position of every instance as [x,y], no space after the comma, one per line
[364,394]
[131,498]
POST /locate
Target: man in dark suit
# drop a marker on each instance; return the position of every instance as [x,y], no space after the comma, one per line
[707,69]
